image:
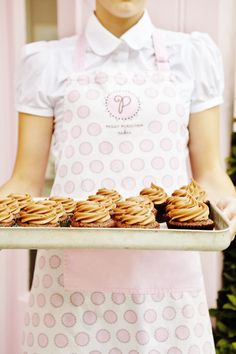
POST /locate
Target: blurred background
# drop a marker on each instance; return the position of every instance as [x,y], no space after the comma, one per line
[24,21]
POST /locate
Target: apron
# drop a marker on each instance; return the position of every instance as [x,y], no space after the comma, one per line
[121,130]
[124,130]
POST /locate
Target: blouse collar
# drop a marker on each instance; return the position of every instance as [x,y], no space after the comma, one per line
[103,42]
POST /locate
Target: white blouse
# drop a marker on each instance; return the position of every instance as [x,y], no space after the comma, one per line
[46,65]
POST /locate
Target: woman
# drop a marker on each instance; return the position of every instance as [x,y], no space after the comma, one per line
[130,103]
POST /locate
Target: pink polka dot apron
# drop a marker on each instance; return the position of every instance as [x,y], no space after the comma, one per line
[121,130]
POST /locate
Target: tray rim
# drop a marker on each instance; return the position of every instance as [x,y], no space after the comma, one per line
[112,238]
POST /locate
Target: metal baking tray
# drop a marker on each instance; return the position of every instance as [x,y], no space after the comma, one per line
[115,238]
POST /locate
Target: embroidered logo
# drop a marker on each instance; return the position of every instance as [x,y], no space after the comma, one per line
[122,105]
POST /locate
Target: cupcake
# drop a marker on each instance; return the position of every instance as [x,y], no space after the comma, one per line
[6,217]
[22,199]
[64,219]
[129,214]
[68,204]
[196,191]
[12,204]
[159,197]
[105,201]
[143,200]
[185,212]
[37,214]
[177,198]
[111,193]
[91,214]
[122,208]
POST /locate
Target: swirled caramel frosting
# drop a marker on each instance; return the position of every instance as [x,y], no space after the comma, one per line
[156,194]
[23,199]
[12,204]
[57,206]
[88,212]
[38,214]
[6,217]
[68,204]
[196,191]
[125,207]
[133,214]
[105,201]
[142,200]
[178,197]
[187,209]
[111,193]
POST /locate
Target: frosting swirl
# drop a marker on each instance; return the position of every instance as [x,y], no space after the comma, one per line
[39,214]
[195,190]
[68,204]
[141,199]
[111,193]
[90,212]
[105,201]
[156,194]
[12,204]
[23,199]
[57,206]
[134,214]
[5,214]
[187,208]
[125,207]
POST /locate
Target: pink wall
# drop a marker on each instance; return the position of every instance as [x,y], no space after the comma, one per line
[184,15]
[13,264]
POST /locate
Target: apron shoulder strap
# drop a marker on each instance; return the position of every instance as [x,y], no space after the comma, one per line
[162,60]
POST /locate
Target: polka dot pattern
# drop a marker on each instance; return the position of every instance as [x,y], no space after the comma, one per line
[82,339]
[126,147]
[118,298]
[103,336]
[130,316]
[150,316]
[138,325]
[106,147]
[94,129]
[98,298]
[123,336]
[49,320]
[54,262]
[77,168]
[182,332]
[117,166]
[161,334]
[142,337]
[169,313]
[83,112]
[68,320]
[75,132]
[98,322]
[108,183]
[146,145]
[87,185]
[61,340]
[73,96]
[56,300]
[77,299]
[43,340]
[89,317]
[110,316]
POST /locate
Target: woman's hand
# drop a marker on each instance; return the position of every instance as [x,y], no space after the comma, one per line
[228,206]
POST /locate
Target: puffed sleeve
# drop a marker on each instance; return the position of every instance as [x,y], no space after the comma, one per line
[207,70]
[34,80]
